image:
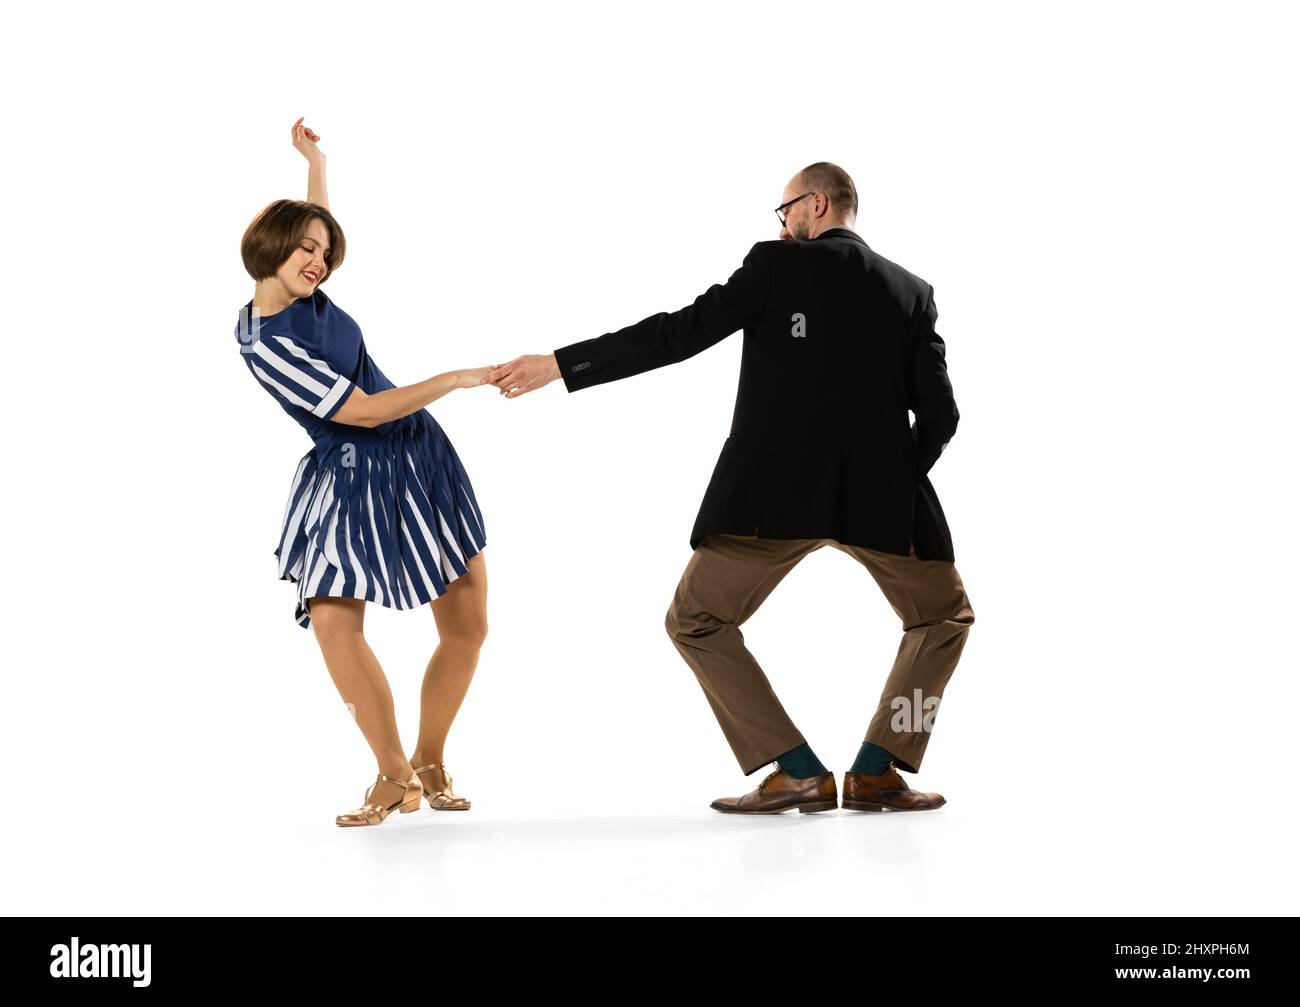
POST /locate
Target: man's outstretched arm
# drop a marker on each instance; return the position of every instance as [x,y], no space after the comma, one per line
[663,338]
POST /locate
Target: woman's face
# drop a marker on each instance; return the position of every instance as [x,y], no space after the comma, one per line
[305,268]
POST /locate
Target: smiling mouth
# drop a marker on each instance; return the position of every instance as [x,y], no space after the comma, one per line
[309,276]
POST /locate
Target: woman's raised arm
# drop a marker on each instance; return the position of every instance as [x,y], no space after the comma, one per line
[305,140]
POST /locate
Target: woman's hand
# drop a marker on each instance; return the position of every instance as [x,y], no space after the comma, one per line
[471,377]
[305,140]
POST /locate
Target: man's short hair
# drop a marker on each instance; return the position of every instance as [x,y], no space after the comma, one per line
[835,182]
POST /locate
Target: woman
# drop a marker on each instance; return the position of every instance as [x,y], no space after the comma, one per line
[380,509]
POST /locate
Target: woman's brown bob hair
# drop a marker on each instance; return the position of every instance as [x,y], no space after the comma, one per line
[275,232]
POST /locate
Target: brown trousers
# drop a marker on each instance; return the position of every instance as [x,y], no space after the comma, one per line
[728,578]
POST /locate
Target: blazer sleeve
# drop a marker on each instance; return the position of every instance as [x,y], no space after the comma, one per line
[931,392]
[670,337]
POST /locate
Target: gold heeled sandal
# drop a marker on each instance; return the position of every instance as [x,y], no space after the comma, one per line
[373,814]
[442,799]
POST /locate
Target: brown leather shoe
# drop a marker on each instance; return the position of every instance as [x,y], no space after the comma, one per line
[780,792]
[886,791]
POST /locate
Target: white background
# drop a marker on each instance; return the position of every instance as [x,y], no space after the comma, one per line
[1104,201]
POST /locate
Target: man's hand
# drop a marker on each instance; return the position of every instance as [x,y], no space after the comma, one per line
[523,374]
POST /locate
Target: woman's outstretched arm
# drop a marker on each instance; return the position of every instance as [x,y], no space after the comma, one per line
[362,410]
[305,140]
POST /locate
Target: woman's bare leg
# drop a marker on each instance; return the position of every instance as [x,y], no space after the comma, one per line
[461,616]
[359,679]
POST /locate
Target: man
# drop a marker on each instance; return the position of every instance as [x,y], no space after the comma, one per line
[840,344]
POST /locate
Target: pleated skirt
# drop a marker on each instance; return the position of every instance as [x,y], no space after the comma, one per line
[387,518]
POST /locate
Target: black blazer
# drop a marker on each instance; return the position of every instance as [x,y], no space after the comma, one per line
[840,344]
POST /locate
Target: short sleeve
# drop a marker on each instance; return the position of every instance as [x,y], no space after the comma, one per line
[296,376]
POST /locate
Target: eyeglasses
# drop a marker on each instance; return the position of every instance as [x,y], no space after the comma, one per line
[780,210]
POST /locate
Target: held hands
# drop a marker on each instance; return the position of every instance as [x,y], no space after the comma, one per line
[523,374]
[305,140]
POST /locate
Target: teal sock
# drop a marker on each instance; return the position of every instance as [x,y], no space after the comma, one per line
[872,760]
[801,762]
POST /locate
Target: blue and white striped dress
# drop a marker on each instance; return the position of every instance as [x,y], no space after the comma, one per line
[386,514]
